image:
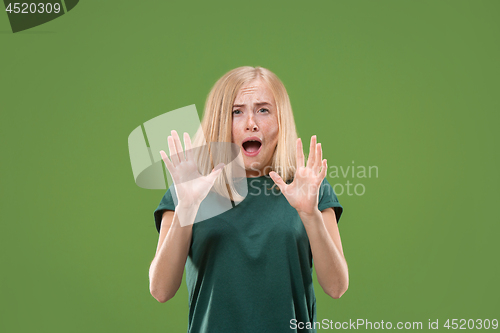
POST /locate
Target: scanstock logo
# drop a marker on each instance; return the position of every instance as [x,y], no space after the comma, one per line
[28,14]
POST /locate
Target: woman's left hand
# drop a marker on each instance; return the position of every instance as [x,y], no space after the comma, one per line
[303,192]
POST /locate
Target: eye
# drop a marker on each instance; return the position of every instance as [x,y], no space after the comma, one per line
[236,111]
[264,110]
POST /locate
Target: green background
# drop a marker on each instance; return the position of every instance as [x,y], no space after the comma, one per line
[409,87]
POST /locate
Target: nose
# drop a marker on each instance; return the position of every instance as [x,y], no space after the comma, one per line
[251,124]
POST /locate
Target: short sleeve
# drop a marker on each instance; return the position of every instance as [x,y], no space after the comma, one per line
[166,203]
[327,199]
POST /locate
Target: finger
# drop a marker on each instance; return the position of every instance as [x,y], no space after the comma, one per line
[218,167]
[215,172]
[300,154]
[319,156]
[187,145]
[167,162]
[178,146]
[312,153]
[323,170]
[278,180]
[173,152]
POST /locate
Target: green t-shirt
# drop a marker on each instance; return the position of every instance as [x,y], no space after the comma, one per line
[249,269]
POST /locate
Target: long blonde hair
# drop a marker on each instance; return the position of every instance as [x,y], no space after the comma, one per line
[216,127]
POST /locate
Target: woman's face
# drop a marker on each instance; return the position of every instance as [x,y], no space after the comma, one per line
[255,126]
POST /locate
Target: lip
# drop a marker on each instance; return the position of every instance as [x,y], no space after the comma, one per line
[251,138]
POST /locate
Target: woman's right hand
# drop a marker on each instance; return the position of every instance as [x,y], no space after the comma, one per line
[191,187]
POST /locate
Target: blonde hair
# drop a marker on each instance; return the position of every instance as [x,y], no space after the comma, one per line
[216,127]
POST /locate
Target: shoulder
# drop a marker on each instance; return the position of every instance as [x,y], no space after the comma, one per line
[328,198]
[326,189]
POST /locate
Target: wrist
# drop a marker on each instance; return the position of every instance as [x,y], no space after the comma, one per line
[309,214]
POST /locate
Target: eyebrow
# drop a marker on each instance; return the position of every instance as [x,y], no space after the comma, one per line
[259,104]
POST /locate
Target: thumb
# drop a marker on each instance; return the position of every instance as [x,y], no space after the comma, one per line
[218,167]
[216,172]
[278,180]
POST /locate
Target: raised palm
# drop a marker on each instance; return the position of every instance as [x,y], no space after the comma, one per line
[191,187]
[303,192]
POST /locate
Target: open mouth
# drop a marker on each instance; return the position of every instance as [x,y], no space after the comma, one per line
[251,146]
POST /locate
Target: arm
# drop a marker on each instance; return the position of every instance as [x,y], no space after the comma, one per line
[321,227]
[165,272]
[326,247]
[167,267]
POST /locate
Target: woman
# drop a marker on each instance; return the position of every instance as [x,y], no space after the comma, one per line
[249,269]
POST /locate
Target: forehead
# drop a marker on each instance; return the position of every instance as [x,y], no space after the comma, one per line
[254,92]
